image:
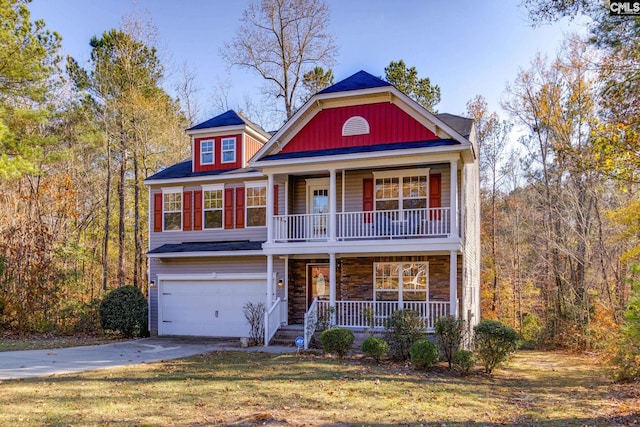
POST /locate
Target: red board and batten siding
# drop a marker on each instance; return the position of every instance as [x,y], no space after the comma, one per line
[387,122]
[217,154]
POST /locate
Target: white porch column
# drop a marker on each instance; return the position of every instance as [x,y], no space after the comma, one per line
[454,198]
[453,283]
[332,285]
[269,213]
[269,281]
[332,205]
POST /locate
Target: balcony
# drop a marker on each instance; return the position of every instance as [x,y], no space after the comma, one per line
[390,224]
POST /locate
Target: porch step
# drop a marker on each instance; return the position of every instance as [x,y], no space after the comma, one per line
[287,335]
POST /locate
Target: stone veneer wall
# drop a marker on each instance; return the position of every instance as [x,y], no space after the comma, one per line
[355,280]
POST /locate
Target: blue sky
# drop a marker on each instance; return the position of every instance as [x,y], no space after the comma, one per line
[467,47]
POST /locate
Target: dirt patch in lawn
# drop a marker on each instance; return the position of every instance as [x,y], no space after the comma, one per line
[252,389]
[10,341]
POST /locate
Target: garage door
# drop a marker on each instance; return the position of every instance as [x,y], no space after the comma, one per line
[207,308]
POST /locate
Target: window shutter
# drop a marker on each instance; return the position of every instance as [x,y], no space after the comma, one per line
[197,210]
[240,207]
[275,199]
[157,212]
[367,198]
[228,208]
[435,195]
[187,210]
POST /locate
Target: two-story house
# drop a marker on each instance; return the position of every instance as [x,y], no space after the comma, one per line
[363,203]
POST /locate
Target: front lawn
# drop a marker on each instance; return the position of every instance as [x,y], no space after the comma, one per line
[236,388]
[15,342]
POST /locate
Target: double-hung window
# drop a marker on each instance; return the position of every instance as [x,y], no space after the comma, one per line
[228,150]
[212,205]
[401,190]
[401,281]
[256,197]
[206,152]
[172,209]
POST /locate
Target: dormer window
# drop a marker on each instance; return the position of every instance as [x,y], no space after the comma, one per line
[228,150]
[355,125]
[206,152]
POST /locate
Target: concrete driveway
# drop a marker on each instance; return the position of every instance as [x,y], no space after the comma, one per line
[36,363]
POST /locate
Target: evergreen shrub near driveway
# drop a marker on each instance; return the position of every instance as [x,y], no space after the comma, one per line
[124,310]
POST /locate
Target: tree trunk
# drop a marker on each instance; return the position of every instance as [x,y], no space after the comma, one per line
[121,202]
[107,216]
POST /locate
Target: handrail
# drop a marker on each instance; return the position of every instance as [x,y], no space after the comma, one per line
[310,322]
[271,326]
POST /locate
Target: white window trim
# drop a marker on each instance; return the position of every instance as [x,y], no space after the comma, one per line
[254,184]
[222,150]
[212,187]
[400,289]
[173,190]
[400,174]
[213,151]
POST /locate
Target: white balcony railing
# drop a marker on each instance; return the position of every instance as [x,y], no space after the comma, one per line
[429,222]
[367,314]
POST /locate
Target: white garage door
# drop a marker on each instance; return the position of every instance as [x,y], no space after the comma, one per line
[210,308]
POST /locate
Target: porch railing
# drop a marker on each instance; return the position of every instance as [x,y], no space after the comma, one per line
[372,314]
[428,222]
[272,320]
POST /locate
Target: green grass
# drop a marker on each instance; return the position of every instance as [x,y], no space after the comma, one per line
[236,388]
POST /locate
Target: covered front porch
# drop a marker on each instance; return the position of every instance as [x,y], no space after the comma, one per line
[361,292]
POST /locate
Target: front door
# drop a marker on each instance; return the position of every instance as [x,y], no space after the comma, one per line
[318,207]
[317,282]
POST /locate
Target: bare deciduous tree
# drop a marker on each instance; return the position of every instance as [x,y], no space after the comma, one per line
[282,40]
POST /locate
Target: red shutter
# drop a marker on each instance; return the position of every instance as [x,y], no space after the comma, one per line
[187,210]
[435,194]
[228,208]
[240,207]
[157,212]
[367,198]
[275,199]
[197,210]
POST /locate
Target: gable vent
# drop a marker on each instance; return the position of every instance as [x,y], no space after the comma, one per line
[355,125]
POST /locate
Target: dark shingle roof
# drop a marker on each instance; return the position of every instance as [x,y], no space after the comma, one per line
[229,118]
[361,149]
[359,80]
[243,245]
[460,124]
[184,170]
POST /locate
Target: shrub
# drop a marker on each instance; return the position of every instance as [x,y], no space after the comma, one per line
[337,341]
[449,334]
[494,342]
[375,347]
[254,313]
[532,331]
[627,357]
[424,353]
[463,361]
[403,328]
[125,310]
[80,318]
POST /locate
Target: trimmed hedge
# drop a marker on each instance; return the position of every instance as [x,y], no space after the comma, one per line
[337,341]
[124,310]
[494,341]
[375,347]
[424,353]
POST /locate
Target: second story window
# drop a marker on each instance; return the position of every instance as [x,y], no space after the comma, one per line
[387,194]
[206,152]
[172,211]
[401,190]
[228,150]
[212,207]
[256,206]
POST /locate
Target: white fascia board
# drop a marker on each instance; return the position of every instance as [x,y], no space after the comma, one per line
[204,178]
[366,247]
[209,254]
[212,276]
[356,160]
[217,131]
